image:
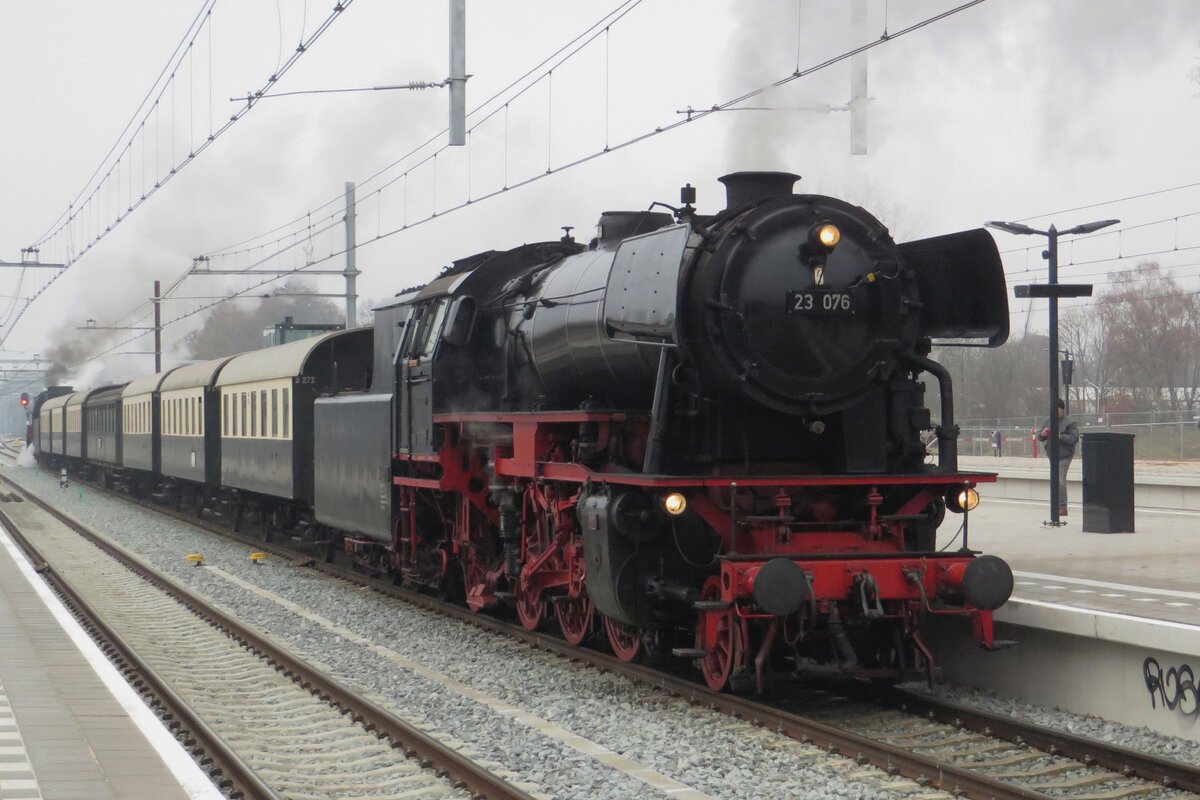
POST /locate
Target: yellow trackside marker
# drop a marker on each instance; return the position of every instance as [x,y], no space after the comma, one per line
[196,559]
[257,558]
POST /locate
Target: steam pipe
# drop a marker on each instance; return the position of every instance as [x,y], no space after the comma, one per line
[656,442]
[947,431]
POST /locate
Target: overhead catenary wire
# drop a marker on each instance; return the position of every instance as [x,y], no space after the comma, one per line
[60,225]
[624,8]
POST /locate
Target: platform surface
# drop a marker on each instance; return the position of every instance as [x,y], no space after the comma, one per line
[1152,573]
[70,727]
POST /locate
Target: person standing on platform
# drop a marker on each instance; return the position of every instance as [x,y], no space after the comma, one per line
[1068,436]
[996,441]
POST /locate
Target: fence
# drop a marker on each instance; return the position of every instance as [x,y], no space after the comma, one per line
[1155,440]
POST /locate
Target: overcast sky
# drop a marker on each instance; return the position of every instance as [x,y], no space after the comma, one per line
[1005,110]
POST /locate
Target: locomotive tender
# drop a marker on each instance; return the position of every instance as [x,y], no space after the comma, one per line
[701,434]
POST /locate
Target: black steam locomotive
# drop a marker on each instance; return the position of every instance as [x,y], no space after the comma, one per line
[702,434]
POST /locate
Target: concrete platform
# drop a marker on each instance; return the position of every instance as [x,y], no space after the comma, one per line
[70,727]
[1107,624]
[1157,484]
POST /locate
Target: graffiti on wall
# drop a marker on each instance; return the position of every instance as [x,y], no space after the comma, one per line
[1173,687]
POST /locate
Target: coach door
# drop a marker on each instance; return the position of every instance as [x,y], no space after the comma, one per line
[416,376]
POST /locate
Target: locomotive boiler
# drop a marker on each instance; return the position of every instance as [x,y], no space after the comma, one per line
[699,436]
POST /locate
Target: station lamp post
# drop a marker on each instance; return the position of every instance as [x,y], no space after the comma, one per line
[1053,290]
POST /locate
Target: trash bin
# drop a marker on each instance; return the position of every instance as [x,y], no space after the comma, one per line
[1107,483]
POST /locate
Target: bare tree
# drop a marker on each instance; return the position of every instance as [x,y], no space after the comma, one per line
[235,329]
[1150,327]
[1087,332]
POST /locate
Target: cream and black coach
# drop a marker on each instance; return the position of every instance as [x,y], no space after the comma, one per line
[139,423]
[52,428]
[191,421]
[102,424]
[267,399]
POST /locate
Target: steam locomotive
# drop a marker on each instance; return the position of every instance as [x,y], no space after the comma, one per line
[700,437]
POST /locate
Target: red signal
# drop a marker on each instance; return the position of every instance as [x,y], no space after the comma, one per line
[24,399]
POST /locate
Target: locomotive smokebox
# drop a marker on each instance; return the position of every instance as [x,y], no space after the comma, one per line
[742,188]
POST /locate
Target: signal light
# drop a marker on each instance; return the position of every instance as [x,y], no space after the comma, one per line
[24,399]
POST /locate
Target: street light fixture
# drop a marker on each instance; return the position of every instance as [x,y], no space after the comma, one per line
[1053,290]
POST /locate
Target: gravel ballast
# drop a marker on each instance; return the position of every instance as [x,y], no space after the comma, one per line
[707,751]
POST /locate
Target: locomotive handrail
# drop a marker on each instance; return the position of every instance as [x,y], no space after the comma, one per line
[947,431]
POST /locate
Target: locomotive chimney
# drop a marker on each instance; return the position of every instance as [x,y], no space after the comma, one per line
[749,187]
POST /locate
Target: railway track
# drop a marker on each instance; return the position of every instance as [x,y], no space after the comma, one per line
[952,748]
[267,724]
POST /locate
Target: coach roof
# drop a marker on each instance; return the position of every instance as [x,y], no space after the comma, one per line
[283,361]
[79,397]
[202,373]
[147,384]
[57,402]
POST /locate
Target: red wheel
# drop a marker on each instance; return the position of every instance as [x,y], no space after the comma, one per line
[531,608]
[623,639]
[718,633]
[575,618]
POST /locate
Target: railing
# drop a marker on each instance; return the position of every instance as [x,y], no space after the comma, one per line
[1171,441]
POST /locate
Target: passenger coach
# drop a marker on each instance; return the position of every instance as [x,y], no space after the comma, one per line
[52,428]
[267,399]
[193,454]
[139,418]
[102,428]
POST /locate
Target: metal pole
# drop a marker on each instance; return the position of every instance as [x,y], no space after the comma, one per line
[351,249]
[1052,442]
[157,329]
[858,80]
[458,72]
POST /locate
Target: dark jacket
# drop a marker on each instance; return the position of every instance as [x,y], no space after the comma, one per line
[1068,436]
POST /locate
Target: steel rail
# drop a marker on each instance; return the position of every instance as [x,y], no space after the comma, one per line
[923,769]
[414,742]
[239,779]
[1126,761]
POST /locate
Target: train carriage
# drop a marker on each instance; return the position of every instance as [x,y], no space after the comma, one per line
[73,443]
[267,399]
[75,424]
[102,414]
[191,453]
[52,427]
[140,446]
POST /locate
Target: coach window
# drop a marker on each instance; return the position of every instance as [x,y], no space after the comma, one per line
[262,411]
[253,416]
[242,415]
[287,416]
[274,412]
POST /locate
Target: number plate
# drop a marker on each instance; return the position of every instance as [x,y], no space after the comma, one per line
[821,301]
